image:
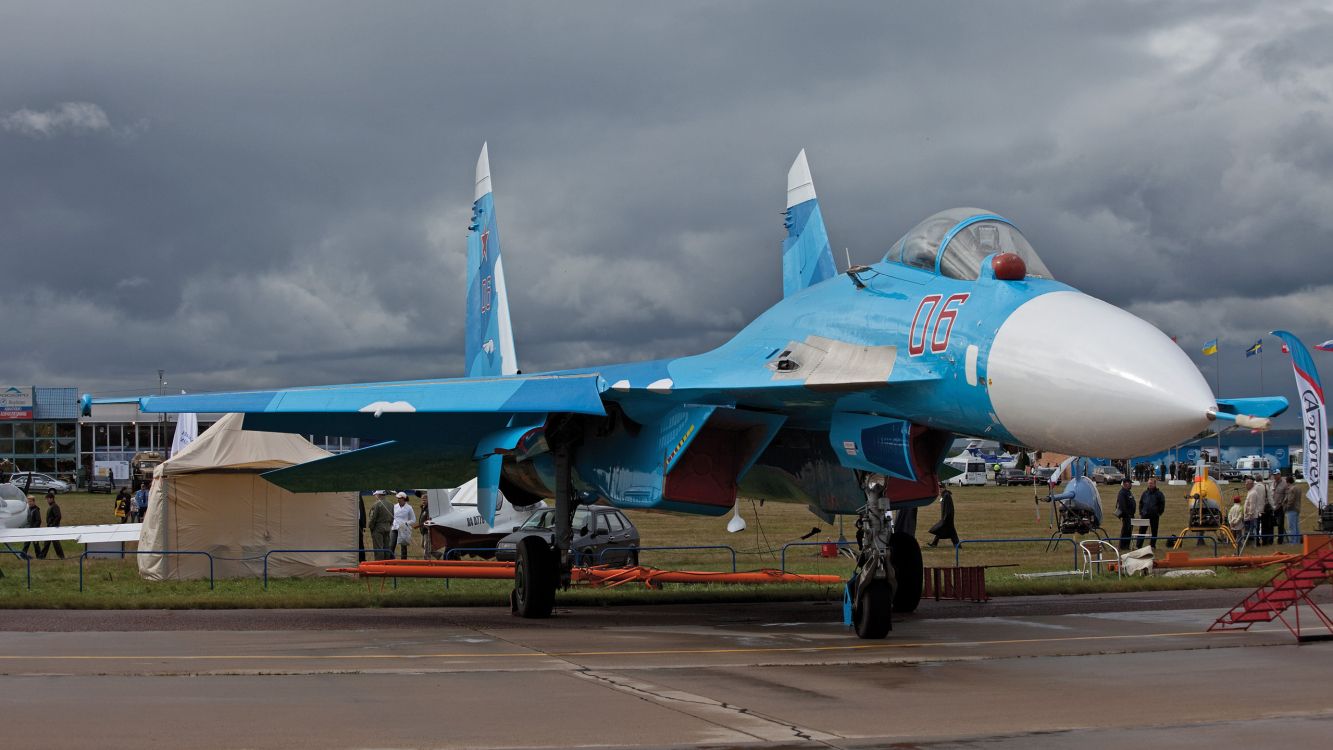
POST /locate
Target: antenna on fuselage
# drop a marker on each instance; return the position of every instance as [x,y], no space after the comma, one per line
[848,253]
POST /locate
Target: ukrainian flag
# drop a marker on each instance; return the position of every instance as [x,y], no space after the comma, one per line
[1258,347]
[1210,348]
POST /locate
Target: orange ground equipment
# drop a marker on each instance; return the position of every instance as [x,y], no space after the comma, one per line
[595,576]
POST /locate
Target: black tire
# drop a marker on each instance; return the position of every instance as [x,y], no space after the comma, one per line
[905,557]
[632,559]
[535,578]
[874,609]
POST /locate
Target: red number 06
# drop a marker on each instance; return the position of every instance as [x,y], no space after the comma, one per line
[943,315]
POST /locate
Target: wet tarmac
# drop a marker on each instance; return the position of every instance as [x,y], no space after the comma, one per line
[1028,672]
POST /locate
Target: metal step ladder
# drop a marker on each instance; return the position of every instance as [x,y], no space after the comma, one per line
[1287,590]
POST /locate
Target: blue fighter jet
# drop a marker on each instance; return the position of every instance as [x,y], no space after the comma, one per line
[845,395]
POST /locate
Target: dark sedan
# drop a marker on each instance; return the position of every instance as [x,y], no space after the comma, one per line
[601,535]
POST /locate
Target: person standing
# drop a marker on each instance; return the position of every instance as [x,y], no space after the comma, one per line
[1277,497]
[1124,510]
[1236,518]
[32,521]
[1152,504]
[360,529]
[52,522]
[1254,508]
[122,505]
[141,503]
[1290,508]
[403,521]
[381,521]
[944,528]
[426,551]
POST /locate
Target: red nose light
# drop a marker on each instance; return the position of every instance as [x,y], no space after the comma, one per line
[1009,267]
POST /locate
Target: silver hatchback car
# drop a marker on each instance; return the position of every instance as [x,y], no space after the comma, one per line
[33,481]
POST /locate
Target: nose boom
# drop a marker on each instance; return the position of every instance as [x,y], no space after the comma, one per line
[1073,374]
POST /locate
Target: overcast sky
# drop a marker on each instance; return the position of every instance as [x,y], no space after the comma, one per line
[277,194]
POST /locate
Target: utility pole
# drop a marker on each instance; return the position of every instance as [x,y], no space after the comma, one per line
[162,418]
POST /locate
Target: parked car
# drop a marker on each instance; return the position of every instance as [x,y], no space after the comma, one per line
[1043,474]
[1011,477]
[1107,475]
[596,528]
[39,482]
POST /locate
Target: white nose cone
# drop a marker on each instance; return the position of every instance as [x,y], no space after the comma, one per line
[1073,374]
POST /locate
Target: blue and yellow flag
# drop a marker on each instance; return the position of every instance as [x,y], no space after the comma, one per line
[1210,348]
[1258,347]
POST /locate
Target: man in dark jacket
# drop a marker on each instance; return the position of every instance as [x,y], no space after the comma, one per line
[1152,503]
[33,521]
[1124,510]
[52,521]
[944,528]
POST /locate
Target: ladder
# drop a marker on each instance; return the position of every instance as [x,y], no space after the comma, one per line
[1289,589]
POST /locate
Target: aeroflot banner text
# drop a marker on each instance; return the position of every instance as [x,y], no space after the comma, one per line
[1314,418]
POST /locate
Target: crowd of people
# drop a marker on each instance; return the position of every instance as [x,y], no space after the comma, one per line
[1270,512]
[393,524]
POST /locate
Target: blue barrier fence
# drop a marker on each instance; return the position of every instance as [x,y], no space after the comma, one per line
[84,556]
[841,546]
[27,560]
[602,555]
[388,552]
[958,548]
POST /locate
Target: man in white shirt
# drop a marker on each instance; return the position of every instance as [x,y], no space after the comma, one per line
[403,520]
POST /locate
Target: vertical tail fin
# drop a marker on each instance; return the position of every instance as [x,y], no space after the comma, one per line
[489,338]
[807,258]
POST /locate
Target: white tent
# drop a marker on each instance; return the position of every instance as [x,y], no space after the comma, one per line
[210,497]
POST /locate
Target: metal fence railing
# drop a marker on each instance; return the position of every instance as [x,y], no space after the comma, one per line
[358,550]
[841,545]
[86,554]
[26,558]
[602,554]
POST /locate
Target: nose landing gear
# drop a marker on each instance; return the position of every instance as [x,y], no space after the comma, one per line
[888,568]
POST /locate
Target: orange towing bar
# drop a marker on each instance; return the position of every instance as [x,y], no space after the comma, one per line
[1183,560]
[598,576]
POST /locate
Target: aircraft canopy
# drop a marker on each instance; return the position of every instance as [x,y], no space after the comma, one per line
[954,242]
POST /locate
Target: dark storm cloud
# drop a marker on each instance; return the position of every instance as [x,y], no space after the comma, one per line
[253,195]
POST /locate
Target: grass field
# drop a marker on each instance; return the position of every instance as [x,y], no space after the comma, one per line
[982,513]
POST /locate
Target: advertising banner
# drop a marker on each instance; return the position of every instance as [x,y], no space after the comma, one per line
[15,402]
[1311,407]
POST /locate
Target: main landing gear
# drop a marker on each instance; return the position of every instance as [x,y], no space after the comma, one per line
[540,567]
[888,575]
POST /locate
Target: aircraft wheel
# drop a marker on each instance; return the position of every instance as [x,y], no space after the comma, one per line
[534,579]
[905,557]
[874,609]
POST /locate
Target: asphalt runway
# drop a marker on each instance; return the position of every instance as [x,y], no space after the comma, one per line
[1031,672]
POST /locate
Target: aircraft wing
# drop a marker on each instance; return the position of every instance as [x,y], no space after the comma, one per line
[579,394]
[429,432]
[90,534]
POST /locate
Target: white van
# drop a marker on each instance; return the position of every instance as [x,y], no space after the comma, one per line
[972,471]
[1254,466]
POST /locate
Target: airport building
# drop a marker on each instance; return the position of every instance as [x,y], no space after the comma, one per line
[41,430]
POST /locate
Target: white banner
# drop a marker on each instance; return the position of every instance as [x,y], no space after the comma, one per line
[187,429]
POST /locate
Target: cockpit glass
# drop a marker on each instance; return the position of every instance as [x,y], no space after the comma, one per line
[963,248]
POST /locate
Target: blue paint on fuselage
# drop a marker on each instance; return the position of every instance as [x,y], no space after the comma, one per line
[929,389]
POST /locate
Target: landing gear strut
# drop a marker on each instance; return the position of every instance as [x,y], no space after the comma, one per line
[873,583]
[541,568]
[888,575]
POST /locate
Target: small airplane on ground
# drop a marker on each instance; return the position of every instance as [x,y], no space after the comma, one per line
[455,521]
[845,395]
